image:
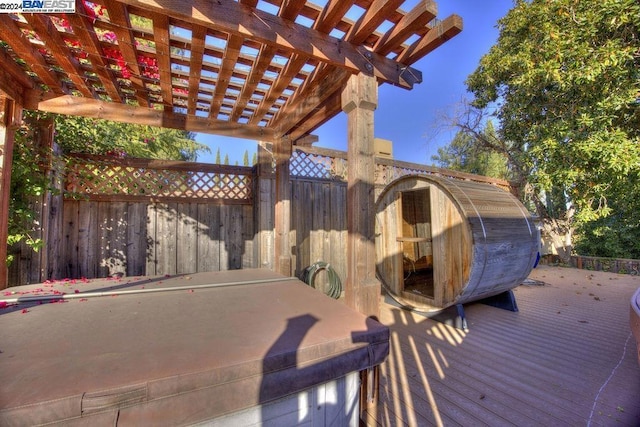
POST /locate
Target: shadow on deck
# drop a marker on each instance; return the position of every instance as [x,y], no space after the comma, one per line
[566,358]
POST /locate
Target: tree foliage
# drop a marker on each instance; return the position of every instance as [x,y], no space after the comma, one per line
[94,136]
[466,153]
[563,81]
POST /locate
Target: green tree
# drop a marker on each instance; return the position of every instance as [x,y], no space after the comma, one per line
[245,158]
[467,153]
[218,156]
[254,158]
[563,82]
[93,136]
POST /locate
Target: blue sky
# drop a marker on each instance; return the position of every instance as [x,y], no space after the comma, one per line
[412,119]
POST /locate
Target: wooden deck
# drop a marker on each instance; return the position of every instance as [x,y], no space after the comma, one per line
[567,358]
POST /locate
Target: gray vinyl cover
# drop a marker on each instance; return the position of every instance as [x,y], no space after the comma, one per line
[177,354]
[635,319]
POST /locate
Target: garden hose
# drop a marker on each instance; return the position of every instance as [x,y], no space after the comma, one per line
[334,289]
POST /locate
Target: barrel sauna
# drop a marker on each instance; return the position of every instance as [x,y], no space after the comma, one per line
[441,242]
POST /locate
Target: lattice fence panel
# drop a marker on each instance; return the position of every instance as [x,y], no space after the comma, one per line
[94,178]
[314,165]
[331,164]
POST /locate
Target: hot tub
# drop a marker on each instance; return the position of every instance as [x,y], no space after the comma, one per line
[237,347]
[635,319]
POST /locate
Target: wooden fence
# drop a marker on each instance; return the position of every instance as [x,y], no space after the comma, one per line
[141,217]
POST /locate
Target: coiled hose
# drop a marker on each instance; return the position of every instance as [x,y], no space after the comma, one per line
[334,289]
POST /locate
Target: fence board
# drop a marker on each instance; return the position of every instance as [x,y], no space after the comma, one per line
[187,237]
[54,236]
[208,237]
[152,235]
[112,218]
[265,223]
[166,248]
[303,208]
[70,243]
[248,258]
[87,244]
[338,227]
[136,248]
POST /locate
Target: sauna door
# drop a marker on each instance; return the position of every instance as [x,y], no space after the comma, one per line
[415,239]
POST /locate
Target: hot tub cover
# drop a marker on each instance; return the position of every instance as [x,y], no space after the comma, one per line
[635,319]
[177,354]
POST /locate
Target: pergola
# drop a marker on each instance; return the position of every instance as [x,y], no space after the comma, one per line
[269,70]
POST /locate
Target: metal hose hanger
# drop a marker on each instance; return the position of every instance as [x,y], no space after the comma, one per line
[334,289]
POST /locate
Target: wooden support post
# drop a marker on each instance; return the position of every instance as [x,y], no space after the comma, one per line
[10,115]
[362,290]
[282,152]
[43,142]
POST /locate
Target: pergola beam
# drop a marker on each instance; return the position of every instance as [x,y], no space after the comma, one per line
[370,20]
[10,73]
[423,13]
[443,31]
[332,14]
[148,116]
[257,71]
[119,16]
[163,56]
[294,64]
[10,33]
[90,43]
[326,83]
[231,54]
[51,36]
[198,35]
[234,18]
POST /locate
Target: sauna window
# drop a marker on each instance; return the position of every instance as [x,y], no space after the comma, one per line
[415,238]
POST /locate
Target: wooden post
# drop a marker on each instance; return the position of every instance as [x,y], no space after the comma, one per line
[43,145]
[362,290]
[10,115]
[282,152]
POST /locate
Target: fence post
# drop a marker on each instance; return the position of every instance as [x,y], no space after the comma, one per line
[264,208]
[282,214]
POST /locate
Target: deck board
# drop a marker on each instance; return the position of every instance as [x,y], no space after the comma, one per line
[566,357]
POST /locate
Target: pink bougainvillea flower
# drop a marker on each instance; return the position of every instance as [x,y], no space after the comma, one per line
[24,310]
[3,304]
[77,291]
